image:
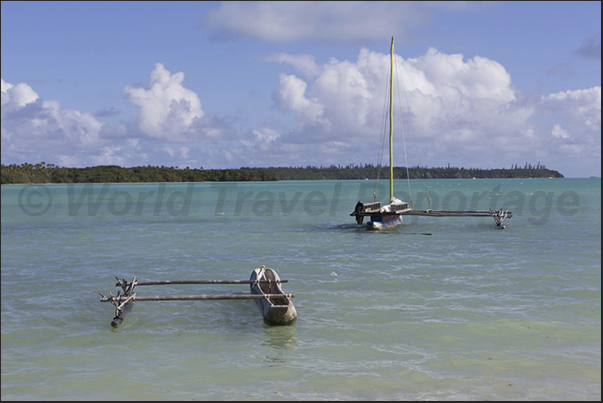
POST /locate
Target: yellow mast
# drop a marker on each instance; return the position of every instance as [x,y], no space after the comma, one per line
[391,123]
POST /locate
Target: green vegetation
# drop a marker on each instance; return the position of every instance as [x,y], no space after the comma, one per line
[49,173]
[43,173]
[368,171]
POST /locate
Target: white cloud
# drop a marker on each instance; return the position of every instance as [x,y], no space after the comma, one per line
[462,109]
[339,21]
[465,111]
[17,96]
[449,97]
[559,132]
[31,125]
[36,130]
[476,78]
[264,136]
[168,110]
[255,146]
[575,128]
[290,95]
[582,107]
[305,64]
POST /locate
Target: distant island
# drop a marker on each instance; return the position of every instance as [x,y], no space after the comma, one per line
[50,173]
[368,171]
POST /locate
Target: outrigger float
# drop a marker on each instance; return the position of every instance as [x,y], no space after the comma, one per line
[391,215]
[265,284]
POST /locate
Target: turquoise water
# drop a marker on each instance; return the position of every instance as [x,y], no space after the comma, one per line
[438,308]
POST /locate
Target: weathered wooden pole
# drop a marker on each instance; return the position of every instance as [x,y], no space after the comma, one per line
[449,213]
[200,297]
[168,282]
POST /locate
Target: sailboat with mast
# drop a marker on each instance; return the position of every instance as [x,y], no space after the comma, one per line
[382,217]
[390,215]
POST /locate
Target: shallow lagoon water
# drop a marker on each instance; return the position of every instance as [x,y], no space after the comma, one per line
[467,312]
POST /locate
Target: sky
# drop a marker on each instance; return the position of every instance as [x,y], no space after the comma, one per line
[260,84]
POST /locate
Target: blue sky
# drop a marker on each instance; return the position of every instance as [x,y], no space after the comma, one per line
[257,84]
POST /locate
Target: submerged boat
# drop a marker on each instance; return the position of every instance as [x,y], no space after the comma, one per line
[390,215]
[277,311]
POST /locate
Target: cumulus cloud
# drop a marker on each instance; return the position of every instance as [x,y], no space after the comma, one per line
[291,95]
[445,91]
[17,96]
[576,122]
[31,124]
[34,129]
[467,108]
[455,105]
[582,107]
[168,110]
[463,109]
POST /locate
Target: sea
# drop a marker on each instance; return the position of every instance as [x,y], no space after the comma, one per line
[438,308]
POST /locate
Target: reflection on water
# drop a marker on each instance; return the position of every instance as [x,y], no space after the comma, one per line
[281,340]
[406,229]
[281,337]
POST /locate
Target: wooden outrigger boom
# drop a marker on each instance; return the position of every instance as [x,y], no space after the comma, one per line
[370,209]
[193,297]
[124,302]
[168,282]
[499,215]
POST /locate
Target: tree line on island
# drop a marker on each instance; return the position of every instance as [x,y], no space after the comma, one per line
[50,173]
[368,171]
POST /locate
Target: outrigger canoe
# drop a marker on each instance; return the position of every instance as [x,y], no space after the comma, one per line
[277,311]
[276,306]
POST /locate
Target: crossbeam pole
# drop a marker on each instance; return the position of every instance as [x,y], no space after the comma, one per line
[168,282]
[443,213]
[201,297]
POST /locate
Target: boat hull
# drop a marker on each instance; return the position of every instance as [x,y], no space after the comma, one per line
[381,222]
[381,217]
[275,311]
